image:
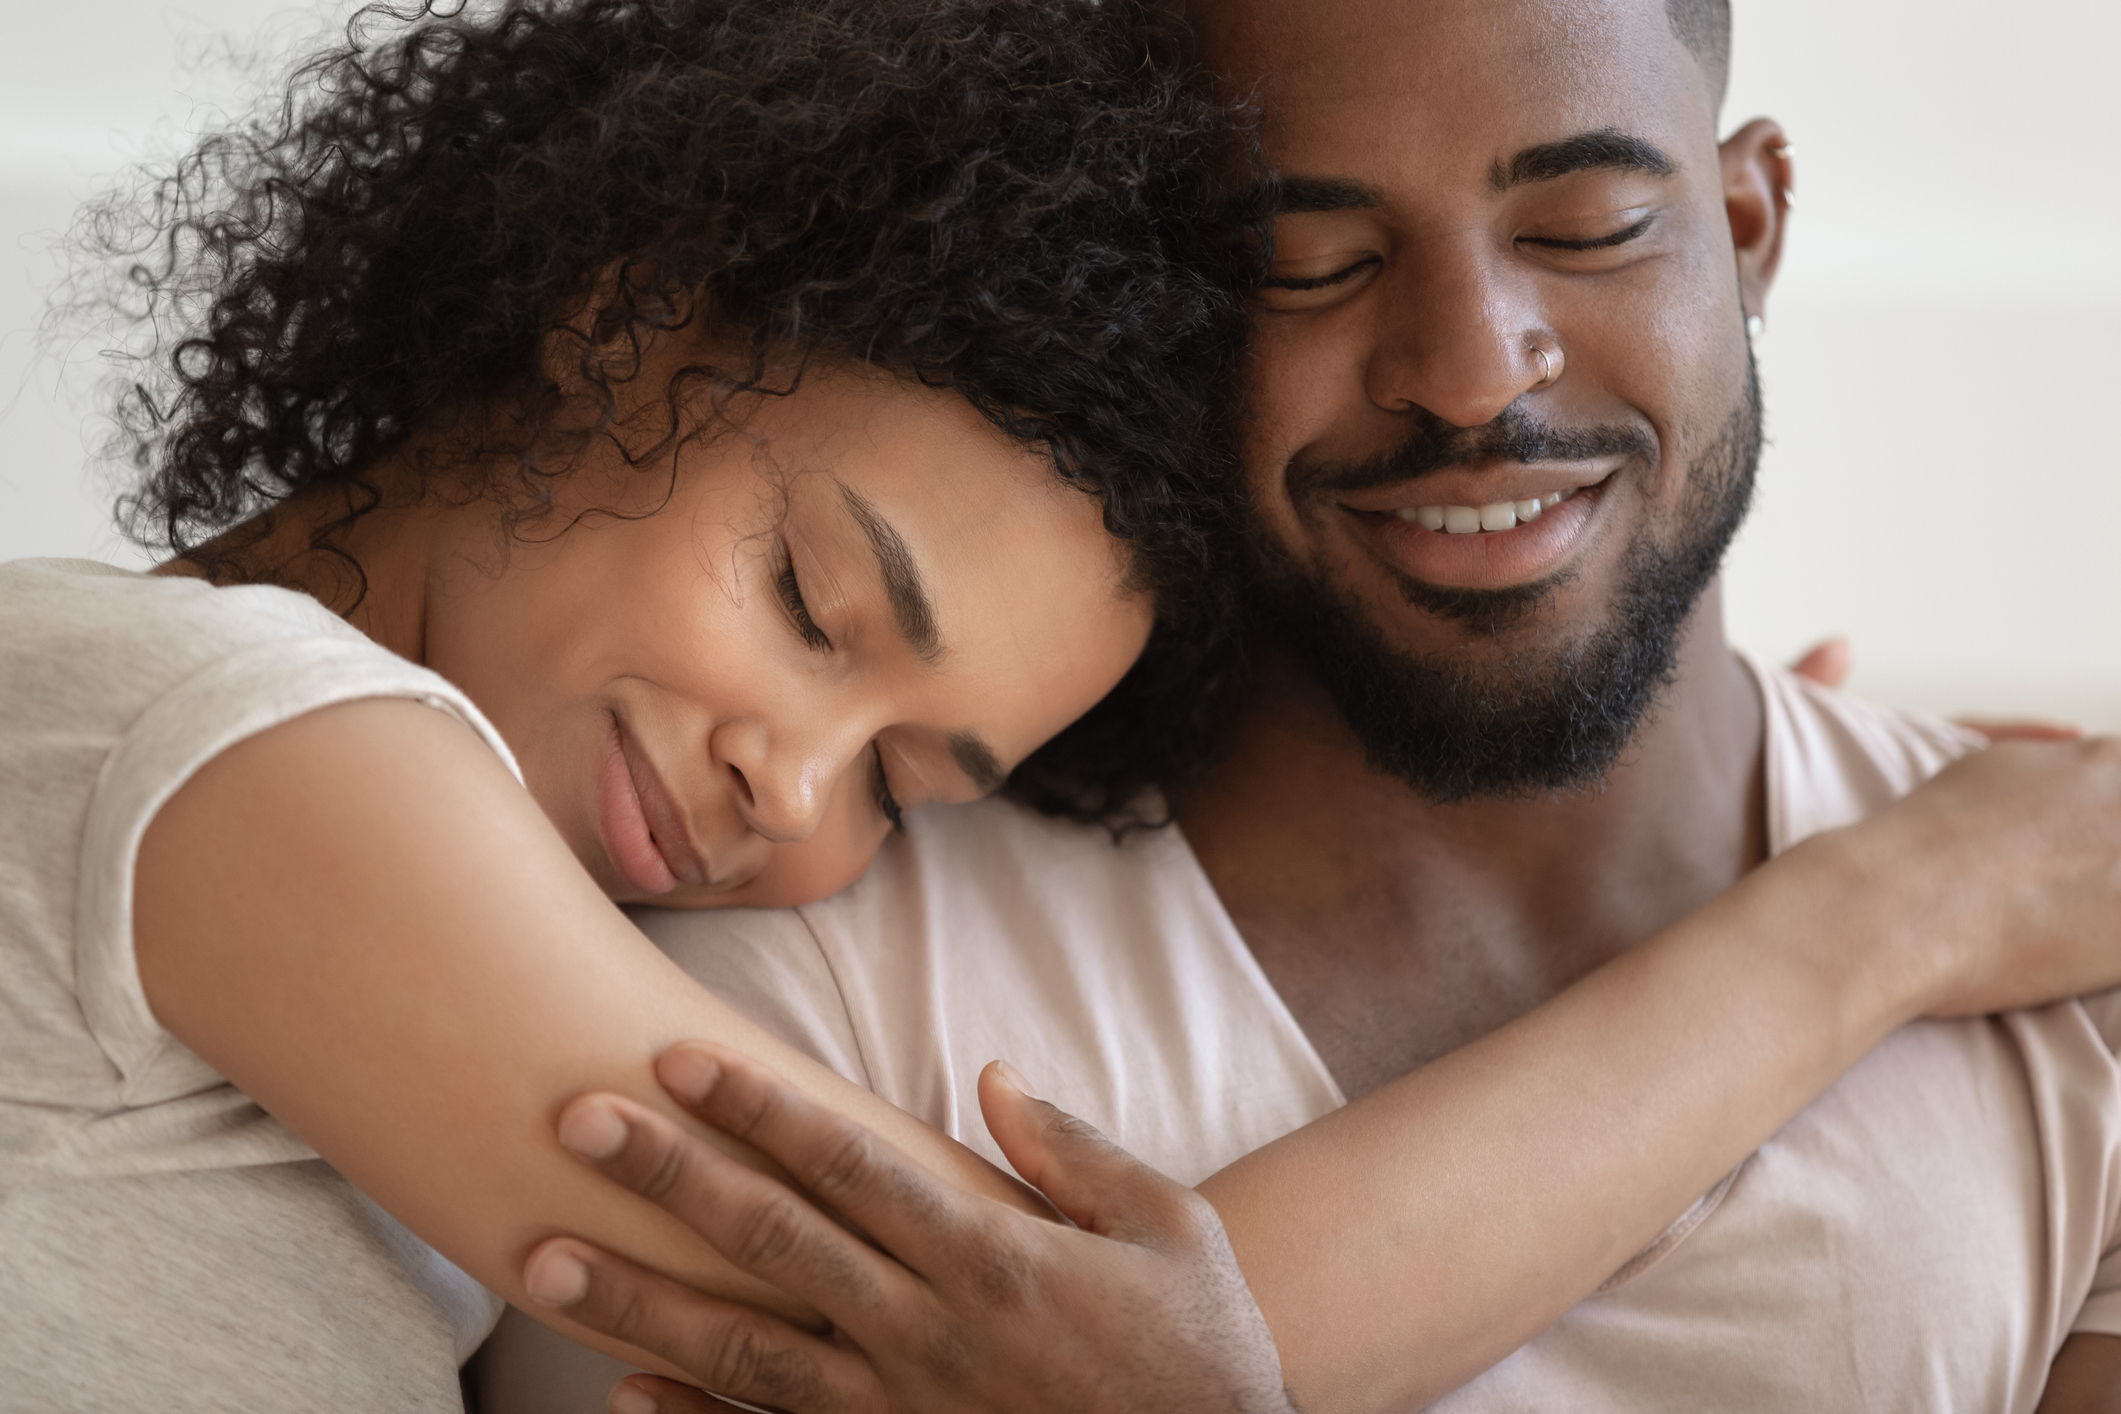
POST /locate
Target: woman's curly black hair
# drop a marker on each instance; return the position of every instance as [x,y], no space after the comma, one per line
[1020,200]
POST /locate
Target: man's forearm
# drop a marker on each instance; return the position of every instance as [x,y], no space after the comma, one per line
[2086,1378]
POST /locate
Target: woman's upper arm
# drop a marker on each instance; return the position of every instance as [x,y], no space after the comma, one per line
[369,927]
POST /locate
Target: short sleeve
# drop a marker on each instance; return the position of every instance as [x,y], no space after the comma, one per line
[2101,1312]
[767,964]
[231,699]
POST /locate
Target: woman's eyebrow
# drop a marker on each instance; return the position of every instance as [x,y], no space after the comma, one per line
[1292,195]
[910,603]
[977,760]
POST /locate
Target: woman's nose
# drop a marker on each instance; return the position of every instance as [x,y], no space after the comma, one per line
[781,793]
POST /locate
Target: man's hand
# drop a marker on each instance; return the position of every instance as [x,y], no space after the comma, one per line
[939,1301]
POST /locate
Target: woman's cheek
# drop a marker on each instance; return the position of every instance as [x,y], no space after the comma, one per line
[819,867]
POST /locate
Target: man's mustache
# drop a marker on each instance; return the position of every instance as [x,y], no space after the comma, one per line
[1436,445]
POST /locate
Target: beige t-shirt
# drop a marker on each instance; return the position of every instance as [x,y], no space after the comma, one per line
[165,1245]
[1921,1238]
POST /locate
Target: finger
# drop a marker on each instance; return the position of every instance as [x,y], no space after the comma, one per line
[759,1223]
[1100,1187]
[2000,730]
[728,1348]
[916,1217]
[651,1394]
[1827,663]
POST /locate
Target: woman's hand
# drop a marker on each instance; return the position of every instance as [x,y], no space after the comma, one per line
[940,1301]
[1996,884]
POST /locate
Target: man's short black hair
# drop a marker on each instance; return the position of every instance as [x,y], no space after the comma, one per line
[1704,26]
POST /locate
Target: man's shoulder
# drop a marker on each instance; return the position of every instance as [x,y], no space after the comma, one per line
[996,870]
[1831,758]
[970,904]
[1106,970]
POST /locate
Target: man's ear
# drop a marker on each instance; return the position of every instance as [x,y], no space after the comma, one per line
[1759,177]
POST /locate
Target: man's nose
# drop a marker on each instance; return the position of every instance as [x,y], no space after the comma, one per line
[780,790]
[1457,338]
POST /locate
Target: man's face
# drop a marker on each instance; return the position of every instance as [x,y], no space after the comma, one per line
[1503,274]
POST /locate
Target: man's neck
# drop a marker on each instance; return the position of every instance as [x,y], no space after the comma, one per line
[1398,929]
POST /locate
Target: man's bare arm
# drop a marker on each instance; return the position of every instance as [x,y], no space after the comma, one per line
[2086,1378]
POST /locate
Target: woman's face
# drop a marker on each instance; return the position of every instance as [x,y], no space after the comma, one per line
[866,600]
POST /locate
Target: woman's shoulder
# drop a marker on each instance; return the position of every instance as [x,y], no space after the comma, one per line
[89,650]
[84,614]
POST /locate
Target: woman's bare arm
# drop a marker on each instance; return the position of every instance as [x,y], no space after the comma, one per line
[362,921]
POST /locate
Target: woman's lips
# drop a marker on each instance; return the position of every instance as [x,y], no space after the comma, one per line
[1487,559]
[623,821]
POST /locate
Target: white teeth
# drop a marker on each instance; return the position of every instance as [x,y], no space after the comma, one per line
[1468,520]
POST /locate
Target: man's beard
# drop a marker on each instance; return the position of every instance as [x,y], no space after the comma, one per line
[1537,722]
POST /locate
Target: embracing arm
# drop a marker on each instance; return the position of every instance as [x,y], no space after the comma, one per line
[362,921]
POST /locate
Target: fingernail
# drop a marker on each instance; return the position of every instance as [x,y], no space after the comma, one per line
[630,1399]
[1016,1078]
[556,1277]
[593,1129]
[688,1073]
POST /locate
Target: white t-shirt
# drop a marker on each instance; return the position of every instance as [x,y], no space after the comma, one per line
[165,1245]
[1921,1238]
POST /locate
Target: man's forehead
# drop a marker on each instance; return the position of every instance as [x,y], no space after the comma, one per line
[1569,63]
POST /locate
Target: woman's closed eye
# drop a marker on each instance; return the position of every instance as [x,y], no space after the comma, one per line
[1292,292]
[880,789]
[1320,282]
[791,592]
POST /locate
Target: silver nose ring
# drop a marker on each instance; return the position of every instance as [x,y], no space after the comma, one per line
[1547,368]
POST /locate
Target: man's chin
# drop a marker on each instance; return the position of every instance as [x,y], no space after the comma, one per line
[1512,701]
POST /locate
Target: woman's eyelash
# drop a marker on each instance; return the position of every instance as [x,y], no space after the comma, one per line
[880,787]
[1621,237]
[1318,282]
[792,599]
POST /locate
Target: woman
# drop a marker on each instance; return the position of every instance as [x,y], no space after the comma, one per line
[741,421]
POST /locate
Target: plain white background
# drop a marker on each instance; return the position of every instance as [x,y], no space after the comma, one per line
[1940,360]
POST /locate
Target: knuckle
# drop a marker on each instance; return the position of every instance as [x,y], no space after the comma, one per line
[733,1355]
[847,1168]
[742,1358]
[772,1237]
[662,1167]
[624,1312]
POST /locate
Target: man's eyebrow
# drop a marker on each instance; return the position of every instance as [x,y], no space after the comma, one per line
[1601,147]
[1288,196]
[910,603]
[977,760]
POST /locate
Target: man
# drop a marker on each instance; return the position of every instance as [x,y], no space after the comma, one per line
[1503,425]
